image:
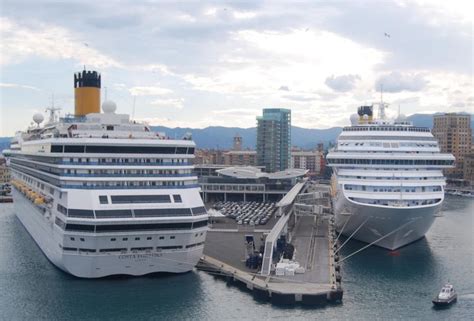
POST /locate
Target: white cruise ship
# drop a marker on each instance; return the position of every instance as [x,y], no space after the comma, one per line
[388,184]
[103,195]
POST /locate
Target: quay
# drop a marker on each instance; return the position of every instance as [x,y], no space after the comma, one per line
[303,218]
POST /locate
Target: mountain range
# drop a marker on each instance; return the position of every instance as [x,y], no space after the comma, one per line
[222,137]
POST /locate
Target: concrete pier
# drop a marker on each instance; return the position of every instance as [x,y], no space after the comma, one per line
[312,237]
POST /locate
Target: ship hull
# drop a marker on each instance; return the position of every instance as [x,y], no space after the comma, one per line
[393,227]
[48,237]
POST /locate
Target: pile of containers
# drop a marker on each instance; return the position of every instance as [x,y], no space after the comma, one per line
[288,268]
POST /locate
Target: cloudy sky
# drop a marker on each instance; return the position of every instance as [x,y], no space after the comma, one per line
[199,64]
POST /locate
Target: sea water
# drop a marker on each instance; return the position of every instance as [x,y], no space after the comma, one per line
[378,284]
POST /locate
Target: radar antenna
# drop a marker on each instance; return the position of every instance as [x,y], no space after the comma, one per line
[382,105]
[52,111]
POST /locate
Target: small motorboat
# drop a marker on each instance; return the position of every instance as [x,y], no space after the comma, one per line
[446,296]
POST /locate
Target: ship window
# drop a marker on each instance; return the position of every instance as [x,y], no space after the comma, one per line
[181,150]
[56,148]
[137,239]
[148,238]
[113,239]
[162,237]
[113,250]
[172,237]
[87,250]
[69,249]
[74,148]
[80,213]
[82,239]
[103,199]
[72,239]
[125,239]
[193,245]
[59,223]
[113,213]
[131,149]
[79,227]
[125,199]
[62,209]
[162,212]
[171,247]
[199,210]
[143,227]
[177,199]
[141,248]
[199,224]
[109,127]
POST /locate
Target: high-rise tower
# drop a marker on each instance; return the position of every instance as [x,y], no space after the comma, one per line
[274,139]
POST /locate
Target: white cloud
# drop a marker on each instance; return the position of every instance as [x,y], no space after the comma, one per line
[149,91]
[8,85]
[262,60]
[244,14]
[396,82]
[300,97]
[177,103]
[342,83]
[234,57]
[237,111]
[20,42]
[155,68]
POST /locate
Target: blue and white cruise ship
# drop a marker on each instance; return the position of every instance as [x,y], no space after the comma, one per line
[388,184]
[103,195]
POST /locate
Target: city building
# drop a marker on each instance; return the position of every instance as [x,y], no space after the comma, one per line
[239,157]
[454,135]
[274,139]
[4,171]
[246,183]
[312,160]
[209,156]
[468,170]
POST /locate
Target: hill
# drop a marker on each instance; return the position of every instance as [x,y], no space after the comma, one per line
[221,137]
[4,143]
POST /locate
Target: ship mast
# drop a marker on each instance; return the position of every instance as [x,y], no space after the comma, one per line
[382,105]
[52,111]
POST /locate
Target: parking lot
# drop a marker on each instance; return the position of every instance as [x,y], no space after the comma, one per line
[247,213]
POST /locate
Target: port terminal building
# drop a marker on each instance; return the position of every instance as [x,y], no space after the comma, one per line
[246,183]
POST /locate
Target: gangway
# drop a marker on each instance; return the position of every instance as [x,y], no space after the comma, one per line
[270,241]
[279,227]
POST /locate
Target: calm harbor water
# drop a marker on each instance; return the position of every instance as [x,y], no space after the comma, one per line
[378,285]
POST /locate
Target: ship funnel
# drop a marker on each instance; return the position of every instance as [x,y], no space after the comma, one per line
[86,92]
[366,114]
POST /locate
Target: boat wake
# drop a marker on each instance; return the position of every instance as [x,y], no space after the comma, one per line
[469,296]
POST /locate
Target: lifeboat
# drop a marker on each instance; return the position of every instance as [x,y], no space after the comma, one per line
[39,201]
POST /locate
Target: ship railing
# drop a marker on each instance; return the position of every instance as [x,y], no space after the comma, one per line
[124,164]
[127,175]
[70,186]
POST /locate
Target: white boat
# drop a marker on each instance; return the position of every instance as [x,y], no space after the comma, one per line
[103,195]
[387,184]
[446,296]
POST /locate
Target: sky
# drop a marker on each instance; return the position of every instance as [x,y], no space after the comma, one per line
[218,63]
